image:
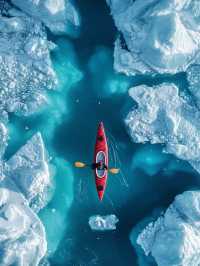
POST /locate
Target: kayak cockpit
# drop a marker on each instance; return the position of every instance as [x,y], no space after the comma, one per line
[100,157]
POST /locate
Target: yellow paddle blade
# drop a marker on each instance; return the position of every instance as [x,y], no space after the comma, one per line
[79,164]
[114,171]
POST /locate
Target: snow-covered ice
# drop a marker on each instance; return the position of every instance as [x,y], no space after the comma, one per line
[103,223]
[22,239]
[156,36]
[55,14]
[24,176]
[26,73]
[173,239]
[25,65]
[29,169]
[164,116]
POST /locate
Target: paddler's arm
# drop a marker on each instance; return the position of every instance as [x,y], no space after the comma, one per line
[94,166]
[105,167]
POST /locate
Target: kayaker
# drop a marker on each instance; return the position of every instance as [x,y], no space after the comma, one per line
[99,166]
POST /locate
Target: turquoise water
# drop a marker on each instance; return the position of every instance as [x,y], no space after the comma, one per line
[90,91]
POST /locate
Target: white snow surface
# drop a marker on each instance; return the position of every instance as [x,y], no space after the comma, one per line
[55,14]
[164,116]
[22,178]
[25,65]
[103,223]
[157,36]
[22,239]
[174,238]
[29,169]
[26,72]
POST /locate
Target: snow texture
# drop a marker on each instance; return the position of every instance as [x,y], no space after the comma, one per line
[173,239]
[156,36]
[24,176]
[164,116]
[25,65]
[55,14]
[103,223]
[29,169]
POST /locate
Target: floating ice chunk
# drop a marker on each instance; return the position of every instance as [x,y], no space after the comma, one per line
[25,65]
[174,40]
[103,223]
[162,116]
[29,169]
[24,176]
[127,62]
[173,239]
[55,14]
[22,239]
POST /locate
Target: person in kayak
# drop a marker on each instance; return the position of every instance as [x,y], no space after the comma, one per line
[99,166]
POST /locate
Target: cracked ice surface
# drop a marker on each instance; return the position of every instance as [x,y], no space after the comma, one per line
[163,116]
[173,239]
[55,14]
[24,176]
[103,223]
[29,169]
[25,64]
[174,40]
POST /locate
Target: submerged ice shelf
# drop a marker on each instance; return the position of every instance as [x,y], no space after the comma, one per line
[173,239]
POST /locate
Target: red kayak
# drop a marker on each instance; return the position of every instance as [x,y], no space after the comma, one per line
[101,155]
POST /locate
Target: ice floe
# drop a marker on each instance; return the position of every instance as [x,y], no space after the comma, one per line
[173,239]
[25,65]
[163,116]
[26,73]
[103,223]
[24,176]
[55,14]
[156,36]
[29,169]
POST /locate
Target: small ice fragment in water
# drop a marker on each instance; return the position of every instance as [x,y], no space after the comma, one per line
[103,223]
